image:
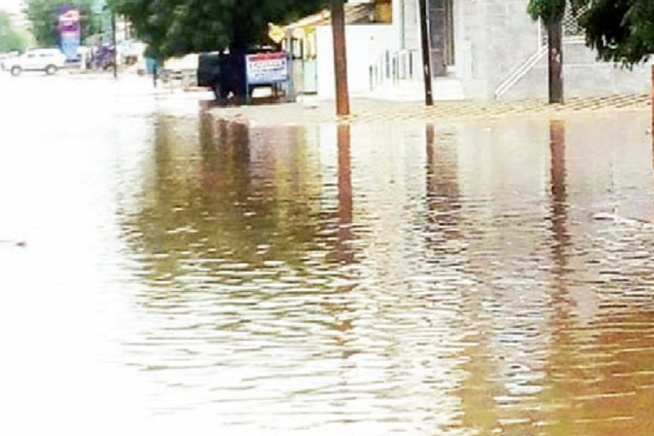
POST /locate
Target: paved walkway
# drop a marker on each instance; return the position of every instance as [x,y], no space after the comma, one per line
[369,110]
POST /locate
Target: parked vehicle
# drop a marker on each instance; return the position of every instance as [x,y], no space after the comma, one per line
[181,68]
[212,73]
[49,60]
[224,73]
[4,57]
[104,57]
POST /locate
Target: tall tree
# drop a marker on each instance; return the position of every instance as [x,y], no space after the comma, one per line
[620,30]
[44,15]
[551,12]
[10,37]
[177,27]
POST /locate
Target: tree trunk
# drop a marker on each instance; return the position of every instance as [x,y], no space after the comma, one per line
[555,60]
[233,73]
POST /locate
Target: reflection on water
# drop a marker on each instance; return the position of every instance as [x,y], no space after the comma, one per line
[438,280]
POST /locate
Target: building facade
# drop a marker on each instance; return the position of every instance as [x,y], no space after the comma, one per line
[492,49]
[480,49]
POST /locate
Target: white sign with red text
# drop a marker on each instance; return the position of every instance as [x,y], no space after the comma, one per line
[267,68]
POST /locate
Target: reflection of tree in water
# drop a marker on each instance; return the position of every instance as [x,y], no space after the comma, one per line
[223,198]
[228,218]
[442,186]
[559,197]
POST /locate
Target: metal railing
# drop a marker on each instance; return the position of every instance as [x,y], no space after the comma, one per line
[572,31]
[522,70]
[393,67]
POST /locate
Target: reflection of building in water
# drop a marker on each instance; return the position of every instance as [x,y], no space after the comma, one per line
[226,189]
[469,304]
[605,163]
[554,290]
[501,178]
[600,361]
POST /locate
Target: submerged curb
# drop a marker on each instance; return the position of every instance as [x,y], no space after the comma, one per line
[370,110]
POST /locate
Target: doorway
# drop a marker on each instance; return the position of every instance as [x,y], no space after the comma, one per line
[441,33]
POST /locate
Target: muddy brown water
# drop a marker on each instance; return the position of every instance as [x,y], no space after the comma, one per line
[473,278]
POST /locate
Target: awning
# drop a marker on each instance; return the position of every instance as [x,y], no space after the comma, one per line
[361,13]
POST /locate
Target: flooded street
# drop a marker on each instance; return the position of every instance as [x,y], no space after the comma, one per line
[163,273]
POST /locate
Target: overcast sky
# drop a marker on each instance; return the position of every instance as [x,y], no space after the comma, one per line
[10,5]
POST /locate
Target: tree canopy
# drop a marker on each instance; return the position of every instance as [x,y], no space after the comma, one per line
[176,27]
[44,15]
[620,30]
[10,37]
[547,10]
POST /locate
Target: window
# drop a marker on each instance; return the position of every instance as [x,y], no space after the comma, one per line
[571,25]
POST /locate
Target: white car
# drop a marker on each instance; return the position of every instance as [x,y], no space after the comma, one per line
[4,57]
[42,59]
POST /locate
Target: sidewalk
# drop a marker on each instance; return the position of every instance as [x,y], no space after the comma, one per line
[371,110]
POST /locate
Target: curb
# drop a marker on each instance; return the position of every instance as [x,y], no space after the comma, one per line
[371,111]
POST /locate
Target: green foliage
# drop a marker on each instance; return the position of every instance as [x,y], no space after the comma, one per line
[547,10]
[175,27]
[10,37]
[44,15]
[620,30]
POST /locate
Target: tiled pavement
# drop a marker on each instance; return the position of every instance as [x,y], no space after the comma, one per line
[369,110]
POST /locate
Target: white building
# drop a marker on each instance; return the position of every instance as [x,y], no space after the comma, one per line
[480,49]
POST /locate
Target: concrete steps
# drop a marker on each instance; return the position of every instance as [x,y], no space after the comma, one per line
[443,89]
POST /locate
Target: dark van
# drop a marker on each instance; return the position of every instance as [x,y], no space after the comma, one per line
[219,72]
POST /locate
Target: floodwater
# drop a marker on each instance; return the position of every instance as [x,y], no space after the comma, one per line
[182,276]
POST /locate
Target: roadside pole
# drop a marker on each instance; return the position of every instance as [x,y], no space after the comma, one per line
[113,37]
[426,57]
[652,103]
[340,58]
[291,73]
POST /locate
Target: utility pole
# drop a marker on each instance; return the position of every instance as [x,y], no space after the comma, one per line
[426,57]
[291,64]
[340,58]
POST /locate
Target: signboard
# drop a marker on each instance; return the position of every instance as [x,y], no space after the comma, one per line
[69,29]
[267,68]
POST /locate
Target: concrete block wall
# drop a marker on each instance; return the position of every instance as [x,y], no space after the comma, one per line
[583,76]
[492,38]
[411,28]
[364,45]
